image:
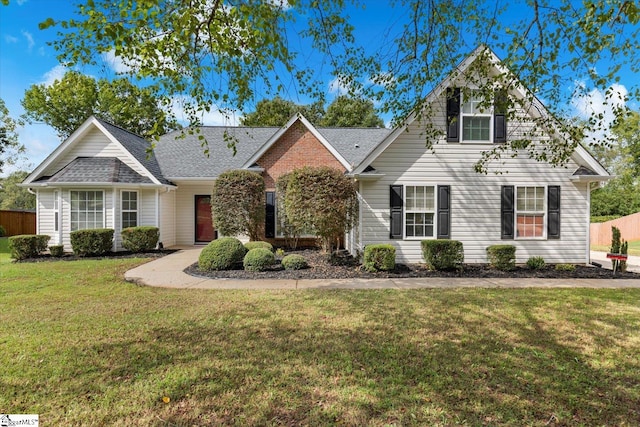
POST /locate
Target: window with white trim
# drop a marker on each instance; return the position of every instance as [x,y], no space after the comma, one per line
[129,211]
[419,210]
[530,212]
[87,209]
[476,122]
[56,210]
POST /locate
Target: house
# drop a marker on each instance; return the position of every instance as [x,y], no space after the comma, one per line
[103,176]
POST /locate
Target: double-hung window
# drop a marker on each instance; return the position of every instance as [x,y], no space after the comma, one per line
[419,211]
[87,210]
[476,121]
[530,212]
[129,209]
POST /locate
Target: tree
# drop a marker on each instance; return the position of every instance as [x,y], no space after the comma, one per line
[237,203]
[277,112]
[68,102]
[621,195]
[224,53]
[347,111]
[323,201]
[14,197]
[10,147]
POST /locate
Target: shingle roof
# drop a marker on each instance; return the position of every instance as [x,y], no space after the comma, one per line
[96,170]
[584,171]
[138,147]
[184,157]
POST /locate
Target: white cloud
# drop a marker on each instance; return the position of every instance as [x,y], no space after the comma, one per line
[214,117]
[595,103]
[21,2]
[29,37]
[56,73]
[10,39]
[116,63]
[339,86]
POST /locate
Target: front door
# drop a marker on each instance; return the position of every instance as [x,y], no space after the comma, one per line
[204,225]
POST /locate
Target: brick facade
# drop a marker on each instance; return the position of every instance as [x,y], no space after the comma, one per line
[296,148]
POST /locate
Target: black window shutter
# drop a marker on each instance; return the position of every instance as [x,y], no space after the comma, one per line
[553,212]
[270,215]
[453,114]
[507,212]
[500,105]
[395,202]
[444,212]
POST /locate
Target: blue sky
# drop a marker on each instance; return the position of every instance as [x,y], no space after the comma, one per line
[27,59]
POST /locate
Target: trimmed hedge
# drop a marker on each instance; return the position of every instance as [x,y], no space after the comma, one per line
[258,244]
[258,259]
[224,253]
[27,245]
[379,257]
[442,254]
[95,241]
[56,251]
[140,239]
[502,257]
[294,262]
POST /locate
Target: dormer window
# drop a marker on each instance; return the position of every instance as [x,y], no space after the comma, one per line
[468,121]
[476,121]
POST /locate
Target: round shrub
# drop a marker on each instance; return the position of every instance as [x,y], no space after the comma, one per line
[258,259]
[56,251]
[380,257]
[294,262]
[140,239]
[224,253]
[535,263]
[258,244]
[502,257]
[442,254]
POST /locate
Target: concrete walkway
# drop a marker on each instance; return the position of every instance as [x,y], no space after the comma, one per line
[166,272]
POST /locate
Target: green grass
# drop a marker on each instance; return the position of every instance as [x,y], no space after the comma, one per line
[79,346]
[634,248]
[4,250]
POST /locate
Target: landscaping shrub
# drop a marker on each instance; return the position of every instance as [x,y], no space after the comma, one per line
[56,250]
[618,246]
[258,244]
[224,253]
[27,245]
[502,257]
[3,232]
[381,257]
[294,262]
[140,239]
[258,259]
[535,263]
[442,254]
[96,241]
[279,252]
[565,267]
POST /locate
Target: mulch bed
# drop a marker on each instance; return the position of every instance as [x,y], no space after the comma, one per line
[345,267]
[109,255]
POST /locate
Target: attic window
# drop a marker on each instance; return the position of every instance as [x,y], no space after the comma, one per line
[476,122]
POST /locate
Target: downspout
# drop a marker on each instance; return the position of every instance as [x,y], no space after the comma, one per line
[113,217]
[360,202]
[588,248]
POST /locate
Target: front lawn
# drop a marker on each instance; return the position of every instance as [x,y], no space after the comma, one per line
[82,347]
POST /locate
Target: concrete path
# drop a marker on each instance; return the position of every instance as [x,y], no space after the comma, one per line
[166,272]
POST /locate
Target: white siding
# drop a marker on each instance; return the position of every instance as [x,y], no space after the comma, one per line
[185,209]
[475,199]
[168,218]
[93,144]
[45,216]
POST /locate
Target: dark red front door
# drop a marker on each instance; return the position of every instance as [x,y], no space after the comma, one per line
[204,225]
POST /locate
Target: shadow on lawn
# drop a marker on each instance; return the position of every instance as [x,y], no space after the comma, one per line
[392,363]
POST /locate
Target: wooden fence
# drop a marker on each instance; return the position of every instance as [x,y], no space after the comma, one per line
[18,222]
[629,227]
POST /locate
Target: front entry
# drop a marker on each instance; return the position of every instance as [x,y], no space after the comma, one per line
[204,225]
